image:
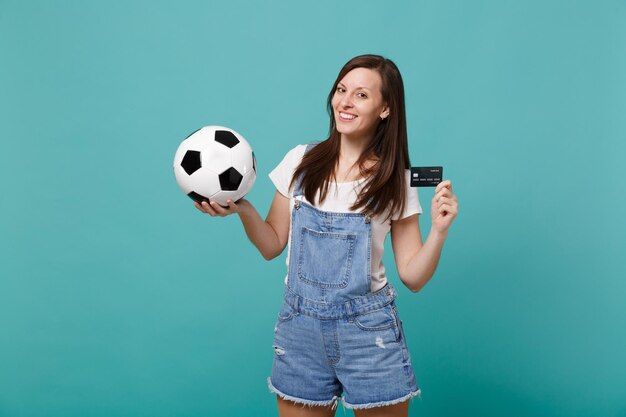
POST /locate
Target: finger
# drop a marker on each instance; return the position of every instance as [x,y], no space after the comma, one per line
[444,192]
[444,200]
[198,206]
[231,206]
[219,210]
[202,207]
[448,210]
[208,209]
[440,194]
[452,209]
[444,184]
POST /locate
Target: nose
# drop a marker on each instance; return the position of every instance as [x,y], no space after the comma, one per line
[345,101]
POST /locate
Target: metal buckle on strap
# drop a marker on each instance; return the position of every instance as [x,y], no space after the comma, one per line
[368,218]
[297,204]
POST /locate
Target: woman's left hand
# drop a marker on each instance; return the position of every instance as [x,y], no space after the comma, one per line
[444,208]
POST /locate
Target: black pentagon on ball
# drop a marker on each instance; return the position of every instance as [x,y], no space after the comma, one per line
[197,197]
[226,138]
[191,162]
[230,179]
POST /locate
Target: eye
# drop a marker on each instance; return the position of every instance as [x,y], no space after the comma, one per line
[341,90]
[361,95]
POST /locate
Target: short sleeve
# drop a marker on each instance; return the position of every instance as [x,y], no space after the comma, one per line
[281,175]
[412,205]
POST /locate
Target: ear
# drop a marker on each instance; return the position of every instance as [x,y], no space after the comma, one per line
[384,113]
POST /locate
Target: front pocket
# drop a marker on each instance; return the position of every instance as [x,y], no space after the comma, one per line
[378,320]
[325,258]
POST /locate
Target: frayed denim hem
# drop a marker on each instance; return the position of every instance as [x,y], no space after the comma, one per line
[304,402]
[383,403]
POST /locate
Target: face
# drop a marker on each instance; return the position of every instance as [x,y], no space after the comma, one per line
[358,103]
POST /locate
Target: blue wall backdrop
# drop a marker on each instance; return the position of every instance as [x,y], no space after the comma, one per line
[118,298]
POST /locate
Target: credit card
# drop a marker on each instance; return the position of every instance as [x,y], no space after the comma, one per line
[426,176]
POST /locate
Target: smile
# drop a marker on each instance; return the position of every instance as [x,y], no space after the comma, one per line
[347,116]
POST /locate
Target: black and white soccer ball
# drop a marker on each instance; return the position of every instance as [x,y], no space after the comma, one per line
[215,163]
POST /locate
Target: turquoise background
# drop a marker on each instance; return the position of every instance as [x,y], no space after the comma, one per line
[118,298]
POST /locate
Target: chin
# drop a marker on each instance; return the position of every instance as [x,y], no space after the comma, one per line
[344,131]
[341,128]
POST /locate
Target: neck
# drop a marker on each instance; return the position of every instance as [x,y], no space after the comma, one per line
[352,148]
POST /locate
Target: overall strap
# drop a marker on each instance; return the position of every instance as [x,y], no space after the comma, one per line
[298,190]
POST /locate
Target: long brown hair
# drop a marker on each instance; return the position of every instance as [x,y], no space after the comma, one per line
[385,185]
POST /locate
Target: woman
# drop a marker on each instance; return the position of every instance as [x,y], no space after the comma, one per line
[338,330]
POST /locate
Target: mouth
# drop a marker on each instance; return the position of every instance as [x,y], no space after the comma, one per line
[346,116]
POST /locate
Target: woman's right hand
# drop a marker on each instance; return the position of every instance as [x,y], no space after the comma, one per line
[213,209]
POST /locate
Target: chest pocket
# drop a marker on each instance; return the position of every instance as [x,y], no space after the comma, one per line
[325,258]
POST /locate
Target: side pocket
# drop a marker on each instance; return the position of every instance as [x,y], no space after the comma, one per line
[406,356]
[286,313]
[398,326]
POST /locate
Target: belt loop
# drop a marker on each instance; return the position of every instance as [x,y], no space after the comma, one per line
[349,312]
[296,304]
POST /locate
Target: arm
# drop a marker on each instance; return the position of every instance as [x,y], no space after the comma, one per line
[416,262]
[269,236]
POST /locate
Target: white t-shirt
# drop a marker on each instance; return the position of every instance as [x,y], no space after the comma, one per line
[341,196]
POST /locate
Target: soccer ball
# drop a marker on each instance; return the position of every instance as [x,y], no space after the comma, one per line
[215,163]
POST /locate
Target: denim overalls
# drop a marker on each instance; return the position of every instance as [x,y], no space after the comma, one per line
[333,335]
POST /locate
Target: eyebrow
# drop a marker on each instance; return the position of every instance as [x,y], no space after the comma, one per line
[357,88]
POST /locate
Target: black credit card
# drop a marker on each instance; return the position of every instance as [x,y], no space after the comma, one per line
[426,176]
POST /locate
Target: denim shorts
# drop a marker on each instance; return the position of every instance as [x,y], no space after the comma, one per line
[361,359]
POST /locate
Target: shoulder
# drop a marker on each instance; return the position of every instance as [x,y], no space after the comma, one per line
[290,161]
[295,154]
[282,174]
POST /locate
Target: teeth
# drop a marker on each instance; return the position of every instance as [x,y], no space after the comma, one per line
[346,116]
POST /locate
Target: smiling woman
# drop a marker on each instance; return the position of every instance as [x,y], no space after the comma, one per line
[358,103]
[338,335]
[370,138]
